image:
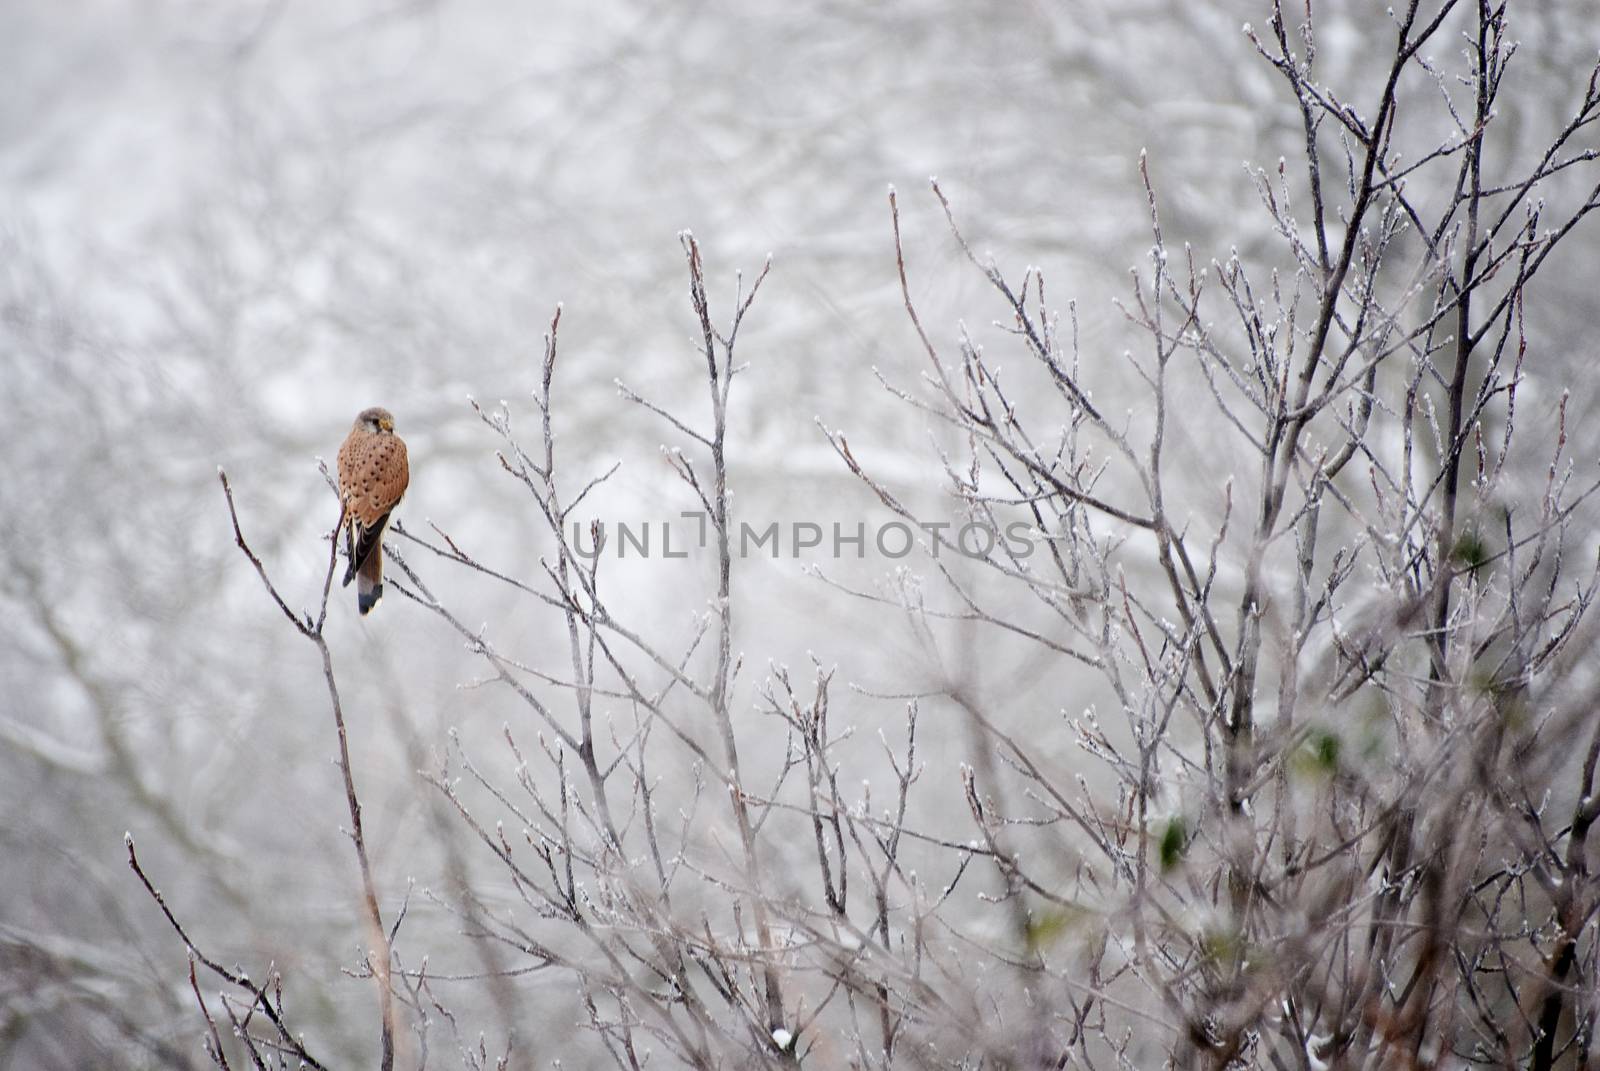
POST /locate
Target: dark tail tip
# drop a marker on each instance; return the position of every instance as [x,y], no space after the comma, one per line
[349,575]
[368,599]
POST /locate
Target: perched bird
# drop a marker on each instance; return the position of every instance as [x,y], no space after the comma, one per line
[373,475]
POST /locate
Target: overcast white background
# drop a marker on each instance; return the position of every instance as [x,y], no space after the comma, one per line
[227,227]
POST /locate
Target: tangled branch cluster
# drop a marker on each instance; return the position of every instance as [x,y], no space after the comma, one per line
[1329,804]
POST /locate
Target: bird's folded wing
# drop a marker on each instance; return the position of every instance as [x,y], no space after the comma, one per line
[368,539]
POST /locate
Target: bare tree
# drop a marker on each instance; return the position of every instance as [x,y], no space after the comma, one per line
[1353,768]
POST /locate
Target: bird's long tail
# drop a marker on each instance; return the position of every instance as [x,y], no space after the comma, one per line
[366,564]
[369,583]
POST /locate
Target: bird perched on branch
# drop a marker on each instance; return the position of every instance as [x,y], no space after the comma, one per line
[373,475]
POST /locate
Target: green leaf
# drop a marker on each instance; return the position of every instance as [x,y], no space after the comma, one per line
[1174,842]
[1470,550]
[1325,747]
[1046,927]
[1319,755]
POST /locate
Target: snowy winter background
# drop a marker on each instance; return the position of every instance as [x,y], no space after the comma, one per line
[226,227]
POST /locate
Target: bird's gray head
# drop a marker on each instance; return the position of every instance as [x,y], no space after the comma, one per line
[376,418]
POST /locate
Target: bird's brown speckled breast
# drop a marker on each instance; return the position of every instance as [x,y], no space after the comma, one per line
[372,474]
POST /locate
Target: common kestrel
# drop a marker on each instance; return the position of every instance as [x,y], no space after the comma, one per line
[373,475]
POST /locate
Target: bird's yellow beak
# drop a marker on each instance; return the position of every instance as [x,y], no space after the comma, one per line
[386,424]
